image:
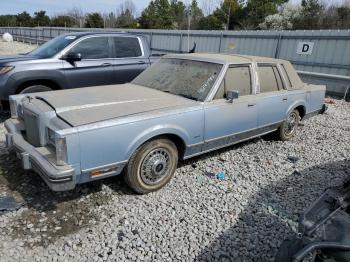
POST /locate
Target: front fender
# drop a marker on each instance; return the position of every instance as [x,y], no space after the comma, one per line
[155,131]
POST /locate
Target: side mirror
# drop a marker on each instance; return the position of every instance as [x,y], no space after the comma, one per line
[72,57]
[232,94]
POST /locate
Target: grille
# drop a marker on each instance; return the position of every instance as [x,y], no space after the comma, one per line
[32,127]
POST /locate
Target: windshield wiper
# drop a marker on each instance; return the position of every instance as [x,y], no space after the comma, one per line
[187,96]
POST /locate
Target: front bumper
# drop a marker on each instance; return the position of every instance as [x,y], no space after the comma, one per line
[58,178]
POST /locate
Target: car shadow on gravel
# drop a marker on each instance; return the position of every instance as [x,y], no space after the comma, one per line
[272,215]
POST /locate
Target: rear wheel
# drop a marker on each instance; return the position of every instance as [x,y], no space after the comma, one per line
[289,127]
[152,166]
[35,89]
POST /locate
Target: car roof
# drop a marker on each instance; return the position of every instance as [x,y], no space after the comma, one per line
[81,34]
[226,58]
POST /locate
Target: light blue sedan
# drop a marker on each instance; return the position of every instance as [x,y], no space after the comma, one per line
[181,107]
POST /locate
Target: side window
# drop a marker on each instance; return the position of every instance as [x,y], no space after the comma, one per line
[267,78]
[236,78]
[286,75]
[127,47]
[278,78]
[92,48]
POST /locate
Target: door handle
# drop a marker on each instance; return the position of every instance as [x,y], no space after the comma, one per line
[142,62]
[285,99]
[251,105]
[106,64]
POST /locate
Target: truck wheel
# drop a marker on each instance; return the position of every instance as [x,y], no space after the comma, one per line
[35,89]
[152,166]
[288,129]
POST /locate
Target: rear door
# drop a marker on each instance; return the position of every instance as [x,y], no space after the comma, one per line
[128,58]
[272,100]
[95,67]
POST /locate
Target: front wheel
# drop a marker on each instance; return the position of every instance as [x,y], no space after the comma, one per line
[152,166]
[289,127]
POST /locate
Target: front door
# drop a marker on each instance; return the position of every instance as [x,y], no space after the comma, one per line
[95,67]
[230,122]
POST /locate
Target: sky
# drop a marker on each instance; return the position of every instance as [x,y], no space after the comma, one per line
[58,6]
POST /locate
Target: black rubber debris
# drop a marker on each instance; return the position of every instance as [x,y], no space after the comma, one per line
[8,204]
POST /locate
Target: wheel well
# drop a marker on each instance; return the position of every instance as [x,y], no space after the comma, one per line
[301,110]
[44,82]
[178,141]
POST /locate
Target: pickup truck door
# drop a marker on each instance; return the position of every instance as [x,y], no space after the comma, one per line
[95,67]
[230,122]
[129,58]
[272,101]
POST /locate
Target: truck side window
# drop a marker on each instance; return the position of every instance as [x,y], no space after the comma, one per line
[127,47]
[236,78]
[92,48]
[267,78]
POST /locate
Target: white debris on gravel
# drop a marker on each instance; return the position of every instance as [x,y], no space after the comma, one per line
[194,218]
[9,48]
[7,37]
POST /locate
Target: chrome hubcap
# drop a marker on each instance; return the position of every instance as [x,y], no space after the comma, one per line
[155,166]
[291,124]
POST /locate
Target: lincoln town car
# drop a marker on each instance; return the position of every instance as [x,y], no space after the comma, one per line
[182,106]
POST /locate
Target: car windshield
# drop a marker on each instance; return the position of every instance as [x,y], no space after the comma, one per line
[183,77]
[54,46]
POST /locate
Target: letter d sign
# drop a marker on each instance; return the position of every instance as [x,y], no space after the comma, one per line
[305,48]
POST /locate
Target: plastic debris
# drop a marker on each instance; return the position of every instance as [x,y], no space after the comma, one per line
[209,174]
[8,204]
[220,175]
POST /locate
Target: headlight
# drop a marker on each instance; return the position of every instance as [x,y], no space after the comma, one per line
[5,69]
[59,143]
[61,151]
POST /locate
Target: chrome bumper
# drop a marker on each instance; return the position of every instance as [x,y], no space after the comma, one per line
[58,178]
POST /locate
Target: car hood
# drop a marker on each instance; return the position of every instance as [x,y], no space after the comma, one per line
[15,58]
[93,104]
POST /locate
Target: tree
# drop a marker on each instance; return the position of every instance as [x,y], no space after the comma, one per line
[283,20]
[41,19]
[179,12]
[311,12]
[158,14]
[8,20]
[211,22]
[94,20]
[195,14]
[126,15]
[62,21]
[24,19]
[259,9]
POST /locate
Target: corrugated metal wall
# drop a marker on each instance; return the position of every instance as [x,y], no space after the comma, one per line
[330,54]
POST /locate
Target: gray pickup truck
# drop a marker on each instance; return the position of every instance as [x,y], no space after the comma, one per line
[75,60]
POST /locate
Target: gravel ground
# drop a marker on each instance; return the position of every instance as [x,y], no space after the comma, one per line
[195,217]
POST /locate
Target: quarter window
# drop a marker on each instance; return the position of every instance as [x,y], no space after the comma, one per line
[127,47]
[92,48]
[268,79]
[237,78]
